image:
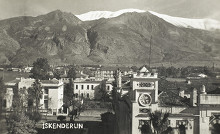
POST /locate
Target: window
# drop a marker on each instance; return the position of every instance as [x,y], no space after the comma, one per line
[4,103]
[82,95]
[81,86]
[92,87]
[76,86]
[46,91]
[87,95]
[46,104]
[76,95]
[88,87]
[108,88]
[46,97]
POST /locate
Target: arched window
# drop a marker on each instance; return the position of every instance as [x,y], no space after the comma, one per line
[87,95]
[182,129]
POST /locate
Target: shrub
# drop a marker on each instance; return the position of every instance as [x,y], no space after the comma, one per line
[19,123]
[34,116]
[61,118]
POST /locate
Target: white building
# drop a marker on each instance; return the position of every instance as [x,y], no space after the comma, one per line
[88,89]
[52,97]
[108,72]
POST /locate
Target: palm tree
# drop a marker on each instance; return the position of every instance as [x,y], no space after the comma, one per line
[159,122]
[216,128]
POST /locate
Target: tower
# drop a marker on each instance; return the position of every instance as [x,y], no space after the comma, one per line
[145,98]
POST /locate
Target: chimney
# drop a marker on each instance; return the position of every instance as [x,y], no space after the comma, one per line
[181,93]
[203,90]
[193,97]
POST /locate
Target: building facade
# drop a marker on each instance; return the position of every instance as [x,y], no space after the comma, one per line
[88,89]
[198,117]
[108,72]
[52,92]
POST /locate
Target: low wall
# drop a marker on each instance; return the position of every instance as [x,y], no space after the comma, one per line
[94,112]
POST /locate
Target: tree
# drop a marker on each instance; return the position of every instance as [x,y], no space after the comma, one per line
[20,100]
[216,128]
[57,74]
[72,73]
[122,109]
[134,68]
[146,128]
[2,94]
[19,123]
[101,93]
[76,107]
[36,93]
[159,121]
[40,69]
[68,93]
[2,88]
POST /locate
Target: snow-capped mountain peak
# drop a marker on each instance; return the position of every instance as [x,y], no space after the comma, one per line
[205,24]
[95,15]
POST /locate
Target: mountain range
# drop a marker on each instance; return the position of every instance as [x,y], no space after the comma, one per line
[123,37]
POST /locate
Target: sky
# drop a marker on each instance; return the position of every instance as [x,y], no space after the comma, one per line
[180,8]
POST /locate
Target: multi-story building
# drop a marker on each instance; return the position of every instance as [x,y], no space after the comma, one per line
[52,92]
[88,89]
[108,72]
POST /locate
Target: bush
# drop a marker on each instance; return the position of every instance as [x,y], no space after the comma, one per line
[107,117]
[61,118]
[34,116]
[19,123]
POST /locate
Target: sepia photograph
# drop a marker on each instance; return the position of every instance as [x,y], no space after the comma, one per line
[109,67]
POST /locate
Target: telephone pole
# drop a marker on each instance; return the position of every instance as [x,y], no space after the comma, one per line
[150,51]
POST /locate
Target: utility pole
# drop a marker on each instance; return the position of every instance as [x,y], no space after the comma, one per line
[3,74]
[213,67]
[150,51]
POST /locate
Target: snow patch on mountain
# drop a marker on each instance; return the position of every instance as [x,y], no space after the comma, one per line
[95,15]
[205,24]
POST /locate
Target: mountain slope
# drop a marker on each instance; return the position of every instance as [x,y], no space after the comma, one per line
[64,39]
[58,36]
[129,35]
[205,24]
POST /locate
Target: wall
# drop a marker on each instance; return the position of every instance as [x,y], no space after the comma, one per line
[53,97]
[93,112]
[88,90]
[9,97]
[209,98]
[85,90]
